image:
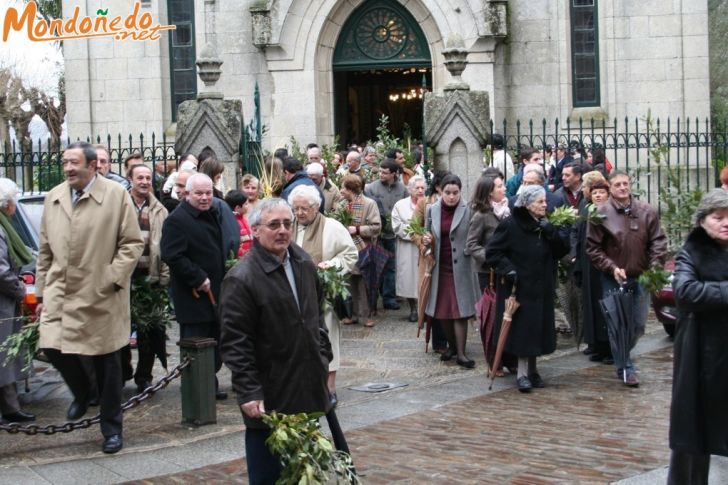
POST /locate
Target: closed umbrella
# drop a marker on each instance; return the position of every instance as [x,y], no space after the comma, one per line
[423,295]
[619,309]
[485,309]
[511,306]
[372,261]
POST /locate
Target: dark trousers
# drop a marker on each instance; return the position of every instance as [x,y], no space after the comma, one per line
[145,362]
[108,373]
[264,467]
[439,341]
[687,469]
[389,279]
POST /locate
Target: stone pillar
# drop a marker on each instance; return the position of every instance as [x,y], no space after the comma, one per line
[211,121]
[457,121]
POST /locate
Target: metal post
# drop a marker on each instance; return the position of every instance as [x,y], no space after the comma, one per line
[198,381]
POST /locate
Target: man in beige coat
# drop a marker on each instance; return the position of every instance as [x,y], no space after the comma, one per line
[89,245]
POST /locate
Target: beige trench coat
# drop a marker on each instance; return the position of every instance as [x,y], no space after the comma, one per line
[86,257]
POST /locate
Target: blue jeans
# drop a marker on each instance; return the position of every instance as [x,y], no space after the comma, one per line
[640,312]
[389,283]
[264,467]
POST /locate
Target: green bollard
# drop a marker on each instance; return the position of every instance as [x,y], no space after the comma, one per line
[198,381]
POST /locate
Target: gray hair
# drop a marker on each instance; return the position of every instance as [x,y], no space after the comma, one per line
[538,170]
[8,193]
[414,179]
[369,149]
[266,205]
[316,150]
[195,177]
[308,192]
[529,195]
[314,168]
[714,200]
[357,155]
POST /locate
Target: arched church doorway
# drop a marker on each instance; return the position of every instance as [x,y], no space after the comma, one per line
[380,64]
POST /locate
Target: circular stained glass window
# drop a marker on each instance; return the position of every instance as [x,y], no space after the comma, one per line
[381,34]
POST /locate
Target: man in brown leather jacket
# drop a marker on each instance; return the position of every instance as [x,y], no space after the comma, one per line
[628,242]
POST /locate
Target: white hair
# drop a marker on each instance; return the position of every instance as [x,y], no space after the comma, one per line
[188,165]
[315,168]
[266,205]
[308,192]
[533,167]
[317,150]
[194,178]
[529,195]
[414,179]
[8,192]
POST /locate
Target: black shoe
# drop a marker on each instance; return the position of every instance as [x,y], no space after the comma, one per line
[588,350]
[142,386]
[536,380]
[112,444]
[221,395]
[447,355]
[334,399]
[392,306]
[94,401]
[596,357]
[76,410]
[467,363]
[608,360]
[413,317]
[524,384]
[19,417]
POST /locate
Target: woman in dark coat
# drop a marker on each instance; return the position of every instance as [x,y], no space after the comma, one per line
[526,248]
[587,277]
[453,292]
[698,418]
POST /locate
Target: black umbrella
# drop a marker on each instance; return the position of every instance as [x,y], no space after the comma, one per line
[619,308]
[338,435]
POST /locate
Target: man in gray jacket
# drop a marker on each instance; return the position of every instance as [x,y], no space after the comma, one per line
[386,192]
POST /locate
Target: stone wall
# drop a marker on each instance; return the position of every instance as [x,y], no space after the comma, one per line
[653,55]
[115,86]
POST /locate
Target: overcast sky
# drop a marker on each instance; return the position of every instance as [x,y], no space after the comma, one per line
[38,63]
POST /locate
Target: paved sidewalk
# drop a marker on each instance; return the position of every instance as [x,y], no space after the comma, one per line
[443,427]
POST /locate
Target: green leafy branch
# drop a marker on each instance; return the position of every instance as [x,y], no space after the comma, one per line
[563,216]
[307,456]
[23,343]
[654,279]
[341,214]
[149,305]
[335,284]
[415,228]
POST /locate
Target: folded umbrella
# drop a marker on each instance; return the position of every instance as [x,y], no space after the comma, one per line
[619,308]
[423,296]
[511,306]
[485,310]
[372,261]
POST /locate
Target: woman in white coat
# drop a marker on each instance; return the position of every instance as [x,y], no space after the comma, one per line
[407,252]
[329,244]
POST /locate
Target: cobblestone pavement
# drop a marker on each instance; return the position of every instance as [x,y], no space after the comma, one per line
[443,427]
[584,427]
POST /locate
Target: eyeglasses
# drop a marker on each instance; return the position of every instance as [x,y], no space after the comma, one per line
[275,225]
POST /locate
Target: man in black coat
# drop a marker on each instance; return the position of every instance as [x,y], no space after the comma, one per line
[274,338]
[193,247]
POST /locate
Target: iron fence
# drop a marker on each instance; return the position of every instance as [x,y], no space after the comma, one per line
[658,154]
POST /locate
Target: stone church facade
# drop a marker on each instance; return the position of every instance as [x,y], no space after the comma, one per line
[331,67]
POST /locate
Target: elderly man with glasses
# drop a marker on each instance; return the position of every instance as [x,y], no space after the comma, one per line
[274,338]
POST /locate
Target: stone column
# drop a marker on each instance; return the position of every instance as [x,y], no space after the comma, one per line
[211,121]
[457,121]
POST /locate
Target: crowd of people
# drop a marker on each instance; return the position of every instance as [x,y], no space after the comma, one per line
[177,226]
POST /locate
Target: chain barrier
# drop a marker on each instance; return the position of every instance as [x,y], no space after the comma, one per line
[33,429]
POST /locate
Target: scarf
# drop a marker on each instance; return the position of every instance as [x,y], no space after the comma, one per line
[313,238]
[18,252]
[500,209]
[356,208]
